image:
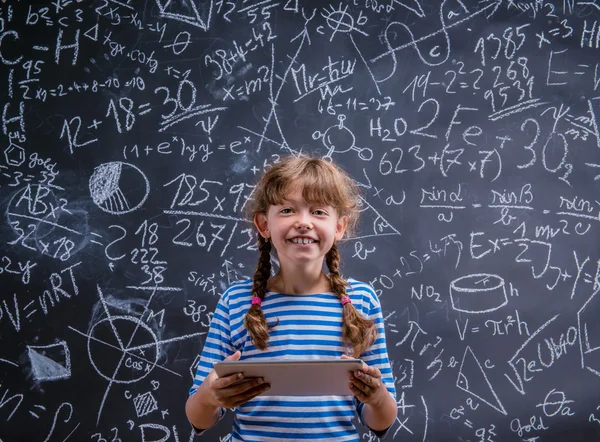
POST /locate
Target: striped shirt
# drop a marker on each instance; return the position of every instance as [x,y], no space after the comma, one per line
[310,327]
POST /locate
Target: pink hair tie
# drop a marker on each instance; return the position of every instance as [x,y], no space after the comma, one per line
[256,301]
[346,300]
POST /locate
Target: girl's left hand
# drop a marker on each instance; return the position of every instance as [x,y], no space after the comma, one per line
[366,384]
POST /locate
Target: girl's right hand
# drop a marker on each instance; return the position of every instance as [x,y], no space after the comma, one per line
[222,392]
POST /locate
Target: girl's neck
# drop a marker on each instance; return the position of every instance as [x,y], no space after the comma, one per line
[299,283]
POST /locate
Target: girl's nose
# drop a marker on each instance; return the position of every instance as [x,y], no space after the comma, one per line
[303,223]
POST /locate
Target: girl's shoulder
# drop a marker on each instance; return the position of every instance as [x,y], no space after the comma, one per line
[238,291]
[363,291]
[360,285]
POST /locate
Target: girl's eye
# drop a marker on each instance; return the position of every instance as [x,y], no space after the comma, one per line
[320,212]
[286,211]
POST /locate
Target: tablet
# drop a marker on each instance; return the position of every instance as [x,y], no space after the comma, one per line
[294,377]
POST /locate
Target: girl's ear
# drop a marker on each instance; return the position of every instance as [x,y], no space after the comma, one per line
[340,227]
[260,221]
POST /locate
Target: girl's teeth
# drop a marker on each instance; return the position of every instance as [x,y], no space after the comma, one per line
[303,241]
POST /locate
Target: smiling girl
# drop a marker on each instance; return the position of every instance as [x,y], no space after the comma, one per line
[302,207]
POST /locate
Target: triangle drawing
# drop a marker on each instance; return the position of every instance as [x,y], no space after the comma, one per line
[413,6]
[473,380]
[44,367]
[185,11]
[374,223]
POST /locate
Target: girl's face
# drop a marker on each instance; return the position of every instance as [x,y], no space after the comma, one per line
[301,232]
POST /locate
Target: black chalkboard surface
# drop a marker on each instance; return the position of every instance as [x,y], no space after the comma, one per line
[133,133]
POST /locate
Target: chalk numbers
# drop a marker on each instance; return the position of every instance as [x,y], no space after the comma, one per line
[97,437]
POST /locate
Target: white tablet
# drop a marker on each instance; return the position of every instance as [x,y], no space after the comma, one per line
[294,377]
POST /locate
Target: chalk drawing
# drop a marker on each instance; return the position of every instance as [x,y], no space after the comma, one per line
[193,17]
[339,139]
[473,380]
[144,404]
[589,334]
[478,293]
[113,186]
[50,362]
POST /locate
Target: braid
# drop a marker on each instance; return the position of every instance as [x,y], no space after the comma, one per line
[338,284]
[263,268]
[356,330]
[255,320]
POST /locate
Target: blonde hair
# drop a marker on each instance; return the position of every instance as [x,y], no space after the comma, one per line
[321,182]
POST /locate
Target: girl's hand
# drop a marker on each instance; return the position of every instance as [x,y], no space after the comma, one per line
[222,393]
[366,384]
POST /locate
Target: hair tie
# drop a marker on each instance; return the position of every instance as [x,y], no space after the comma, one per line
[346,300]
[256,301]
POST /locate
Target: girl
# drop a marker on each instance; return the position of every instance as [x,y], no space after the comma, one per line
[301,207]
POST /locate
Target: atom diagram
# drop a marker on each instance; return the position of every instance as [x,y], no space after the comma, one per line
[339,139]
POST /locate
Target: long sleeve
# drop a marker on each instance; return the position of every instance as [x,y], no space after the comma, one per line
[377,355]
[216,347]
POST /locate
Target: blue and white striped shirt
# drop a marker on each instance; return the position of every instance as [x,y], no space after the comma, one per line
[310,327]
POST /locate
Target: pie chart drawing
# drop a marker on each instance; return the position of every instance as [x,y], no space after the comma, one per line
[118,187]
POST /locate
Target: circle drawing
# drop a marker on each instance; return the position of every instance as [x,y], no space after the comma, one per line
[339,20]
[126,339]
[118,187]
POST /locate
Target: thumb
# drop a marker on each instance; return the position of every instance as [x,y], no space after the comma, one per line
[234,357]
[364,366]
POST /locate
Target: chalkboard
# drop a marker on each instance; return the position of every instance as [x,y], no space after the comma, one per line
[133,133]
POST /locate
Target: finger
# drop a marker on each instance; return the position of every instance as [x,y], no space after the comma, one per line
[243,386]
[359,389]
[360,385]
[372,371]
[227,381]
[372,382]
[234,357]
[231,379]
[227,395]
[368,381]
[255,391]
[365,378]
[249,394]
